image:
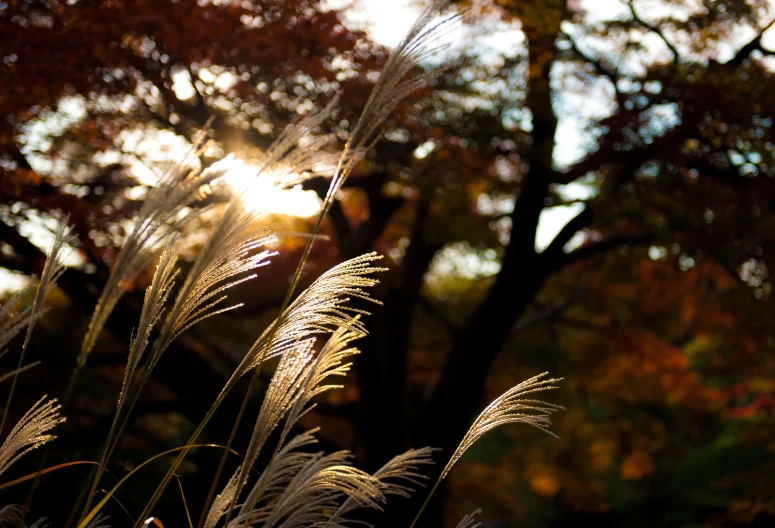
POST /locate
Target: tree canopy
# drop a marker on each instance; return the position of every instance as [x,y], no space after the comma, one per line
[583,187]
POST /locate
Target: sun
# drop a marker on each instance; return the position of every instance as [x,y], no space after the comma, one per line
[261,195]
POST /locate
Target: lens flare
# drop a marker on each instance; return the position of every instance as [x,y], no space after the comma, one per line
[263,194]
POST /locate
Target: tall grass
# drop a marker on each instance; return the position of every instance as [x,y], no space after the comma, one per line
[312,336]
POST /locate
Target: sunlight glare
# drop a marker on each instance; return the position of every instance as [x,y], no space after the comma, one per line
[262,195]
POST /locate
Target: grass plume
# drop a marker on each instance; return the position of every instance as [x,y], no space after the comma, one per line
[511,407]
[469,520]
[52,271]
[312,335]
[30,432]
[158,219]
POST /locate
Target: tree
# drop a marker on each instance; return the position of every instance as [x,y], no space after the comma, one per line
[670,103]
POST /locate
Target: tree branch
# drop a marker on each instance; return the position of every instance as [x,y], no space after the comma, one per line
[555,250]
[606,244]
[638,155]
[753,45]
[655,30]
[549,313]
[611,76]
[338,218]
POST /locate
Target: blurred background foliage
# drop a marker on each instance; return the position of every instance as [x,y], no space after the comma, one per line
[586,188]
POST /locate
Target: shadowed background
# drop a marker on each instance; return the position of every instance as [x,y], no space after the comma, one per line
[585,188]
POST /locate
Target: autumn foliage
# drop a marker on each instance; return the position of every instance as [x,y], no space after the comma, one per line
[640,133]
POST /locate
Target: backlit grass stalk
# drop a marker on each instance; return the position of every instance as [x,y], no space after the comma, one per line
[509,407]
[328,363]
[52,271]
[153,307]
[321,308]
[390,88]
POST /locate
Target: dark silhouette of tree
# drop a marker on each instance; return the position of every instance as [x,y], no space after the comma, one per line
[675,104]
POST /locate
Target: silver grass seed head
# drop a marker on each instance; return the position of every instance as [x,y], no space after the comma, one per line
[469,520]
[31,432]
[511,407]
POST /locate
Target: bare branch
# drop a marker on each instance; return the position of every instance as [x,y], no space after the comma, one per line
[656,30]
[606,244]
[753,45]
[599,66]
[549,313]
[554,252]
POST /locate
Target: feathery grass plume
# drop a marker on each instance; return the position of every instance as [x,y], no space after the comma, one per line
[41,523]
[13,319]
[287,463]
[153,307]
[52,271]
[158,219]
[298,472]
[392,86]
[403,467]
[284,389]
[329,362]
[511,407]
[30,432]
[318,488]
[12,516]
[309,503]
[222,501]
[469,521]
[231,250]
[99,521]
[321,308]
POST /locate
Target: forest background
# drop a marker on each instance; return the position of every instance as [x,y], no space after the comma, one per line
[586,188]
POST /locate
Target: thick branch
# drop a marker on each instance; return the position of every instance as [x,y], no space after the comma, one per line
[382,371]
[637,155]
[555,250]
